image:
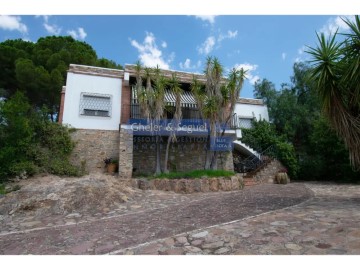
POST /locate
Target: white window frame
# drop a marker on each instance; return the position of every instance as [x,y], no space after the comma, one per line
[98,110]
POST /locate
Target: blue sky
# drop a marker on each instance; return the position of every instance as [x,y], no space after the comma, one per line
[266,45]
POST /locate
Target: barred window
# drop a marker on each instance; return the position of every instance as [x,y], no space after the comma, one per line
[92,104]
[245,122]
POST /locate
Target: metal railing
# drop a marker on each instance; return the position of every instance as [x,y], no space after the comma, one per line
[254,163]
[187,113]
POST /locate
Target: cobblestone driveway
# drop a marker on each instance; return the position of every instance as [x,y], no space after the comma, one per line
[267,219]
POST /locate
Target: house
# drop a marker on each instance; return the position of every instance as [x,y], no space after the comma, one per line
[102,106]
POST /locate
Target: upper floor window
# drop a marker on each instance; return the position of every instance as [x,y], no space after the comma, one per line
[93,104]
[245,122]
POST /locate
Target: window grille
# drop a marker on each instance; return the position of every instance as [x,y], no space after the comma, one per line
[92,104]
[245,122]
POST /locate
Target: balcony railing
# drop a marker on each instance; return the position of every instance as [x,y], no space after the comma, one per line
[187,113]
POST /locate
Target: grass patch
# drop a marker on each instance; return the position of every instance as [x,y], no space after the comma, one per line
[194,174]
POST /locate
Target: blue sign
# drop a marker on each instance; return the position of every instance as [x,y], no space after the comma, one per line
[166,127]
[221,143]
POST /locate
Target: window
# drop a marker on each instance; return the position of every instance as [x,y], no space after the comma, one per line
[245,122]
[92,104]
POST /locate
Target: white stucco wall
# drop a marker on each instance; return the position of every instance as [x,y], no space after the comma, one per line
[78,83]
[250,110]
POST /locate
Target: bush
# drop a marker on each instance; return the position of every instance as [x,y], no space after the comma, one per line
[263,135]
[285,152]
[31,143]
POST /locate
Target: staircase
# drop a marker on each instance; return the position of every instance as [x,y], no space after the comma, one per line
[259,168]
[244,148]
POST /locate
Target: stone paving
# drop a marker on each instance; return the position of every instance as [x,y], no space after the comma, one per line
[297,218]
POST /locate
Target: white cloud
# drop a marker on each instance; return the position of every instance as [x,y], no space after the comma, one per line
[208,18]
[149,54]
[301,50]
[12,23]
[207,46]
[82,33]
[230,34]
[301,57]
[283,56]
[52,29]
[77,34]
[164,44]
[336,23]
[27,39]
[250,69]
[187,64]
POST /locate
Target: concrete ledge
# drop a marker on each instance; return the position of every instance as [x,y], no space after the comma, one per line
[186,186]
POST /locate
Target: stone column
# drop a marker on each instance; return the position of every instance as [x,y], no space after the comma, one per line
[225,161]
[126,153]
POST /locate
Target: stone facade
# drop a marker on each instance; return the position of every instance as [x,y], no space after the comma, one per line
[138,154]
[93,146]
[268,173]
[126,153]
[185,155]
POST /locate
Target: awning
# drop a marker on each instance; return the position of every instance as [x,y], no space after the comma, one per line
[187,99]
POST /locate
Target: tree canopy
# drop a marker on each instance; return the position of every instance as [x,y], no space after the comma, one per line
[39,69]
[336,73]
[298,125]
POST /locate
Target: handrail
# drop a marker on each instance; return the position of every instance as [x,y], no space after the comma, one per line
[253,162]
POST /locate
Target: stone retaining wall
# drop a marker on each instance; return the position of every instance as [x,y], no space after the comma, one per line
[93,146]
[193,185]
[268,173]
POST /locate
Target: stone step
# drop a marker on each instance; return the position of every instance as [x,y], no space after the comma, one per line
[250,182]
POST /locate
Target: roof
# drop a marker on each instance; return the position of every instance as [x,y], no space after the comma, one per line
[96,71]
[184,77]
[252,101]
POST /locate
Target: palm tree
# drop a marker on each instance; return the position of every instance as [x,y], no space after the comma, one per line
[177,91]
[212,105]
[158,111]
[336,72]
[143,94]
[230,93]
[199,95]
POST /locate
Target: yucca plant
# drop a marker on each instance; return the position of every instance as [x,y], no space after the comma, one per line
[336,72]
[175,88]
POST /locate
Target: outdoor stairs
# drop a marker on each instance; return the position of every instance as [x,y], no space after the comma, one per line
[252,178]
[249,181]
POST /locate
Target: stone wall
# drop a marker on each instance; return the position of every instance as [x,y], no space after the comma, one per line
[126,153]
[185,155]
[268,173]
[93,146]
[194,185]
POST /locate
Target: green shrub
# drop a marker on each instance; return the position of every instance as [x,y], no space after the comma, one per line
[31,143]
[63,167]
[285,152]
[263,135]
[23,169]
